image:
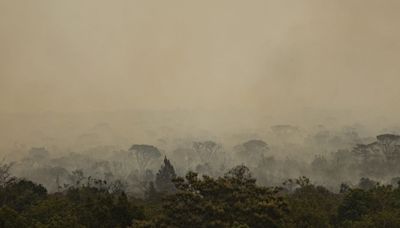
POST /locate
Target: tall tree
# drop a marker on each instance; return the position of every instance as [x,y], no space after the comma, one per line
[165,176]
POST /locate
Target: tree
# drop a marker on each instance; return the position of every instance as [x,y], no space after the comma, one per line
[363,152]
[165,176]
[312,206]
[388,139]
[355,204]
[290,185]
[207,150]
[233,200]
[370,159]
[376,207]
[385,218]
[96,207]
[9,218]
[252,151]
[389,145]
[379,158]
[77,178]
[5,175]
[21,194]
[145,154]
[54,211]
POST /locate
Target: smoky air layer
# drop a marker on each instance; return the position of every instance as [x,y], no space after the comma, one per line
[101,55]
[214,66]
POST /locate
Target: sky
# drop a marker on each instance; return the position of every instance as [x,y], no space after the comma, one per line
[261,55]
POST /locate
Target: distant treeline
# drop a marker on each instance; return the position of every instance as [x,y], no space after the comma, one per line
[134,168]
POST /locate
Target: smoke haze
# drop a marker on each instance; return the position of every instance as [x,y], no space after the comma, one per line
[220,64]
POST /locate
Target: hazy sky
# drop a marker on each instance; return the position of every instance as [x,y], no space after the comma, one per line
[109,55]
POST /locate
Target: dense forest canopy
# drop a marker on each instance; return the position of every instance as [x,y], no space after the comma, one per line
[234,199]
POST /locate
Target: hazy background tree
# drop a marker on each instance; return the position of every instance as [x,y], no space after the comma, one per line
[145,155]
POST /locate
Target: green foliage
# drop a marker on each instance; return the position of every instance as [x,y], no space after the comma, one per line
[385,218]
[21,194]
[233,200]
[98,208]
[9,218]
[355,204]
[55,211]
[312,206]
[26,204]
[376,207]
[165,176]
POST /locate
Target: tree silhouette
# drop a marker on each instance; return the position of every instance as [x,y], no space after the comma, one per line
[145,154]
[206,150]
[165,176]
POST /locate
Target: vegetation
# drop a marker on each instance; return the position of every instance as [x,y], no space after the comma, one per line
[129,193]
[231,200]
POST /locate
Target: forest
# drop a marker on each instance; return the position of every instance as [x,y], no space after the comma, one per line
[203,186]
[195,114]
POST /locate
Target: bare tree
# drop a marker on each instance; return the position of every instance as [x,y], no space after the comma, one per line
[5,175]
